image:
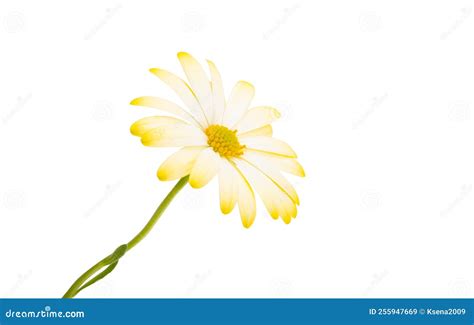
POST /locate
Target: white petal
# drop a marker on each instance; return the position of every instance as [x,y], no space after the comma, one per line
[228,186]
[257,117]
[275,200]
[265,131]
[179,164]
[174,136]
[140,127]
[205,168]
[238,103]
[198,80]
[268,144]
[218,99]
[287,165]
[246,200]
[166,106]
[185,92]
[272,172]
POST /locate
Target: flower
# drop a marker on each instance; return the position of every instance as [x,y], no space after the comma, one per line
[221,137]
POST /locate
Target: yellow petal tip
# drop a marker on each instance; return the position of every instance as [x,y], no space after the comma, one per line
[299,170]
[195,184]
[287,220]
[133,129]
[226,209]
[247,222]
[135,101]
[246,225]
[183,54]
[246,83]
[161,175]
[145,141]
[276,113]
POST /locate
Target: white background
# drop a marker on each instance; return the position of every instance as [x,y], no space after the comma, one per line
[376,98]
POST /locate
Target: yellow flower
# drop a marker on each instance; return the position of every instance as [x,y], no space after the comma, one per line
[221,137]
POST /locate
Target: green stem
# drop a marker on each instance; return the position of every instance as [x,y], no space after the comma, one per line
[159,211]
[113,258]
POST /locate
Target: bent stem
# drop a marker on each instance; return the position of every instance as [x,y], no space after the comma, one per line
[111,260]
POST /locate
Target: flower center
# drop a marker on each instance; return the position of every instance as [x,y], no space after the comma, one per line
[224,141]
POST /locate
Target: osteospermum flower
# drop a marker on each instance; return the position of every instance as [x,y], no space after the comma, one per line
[223,138]
[217,138]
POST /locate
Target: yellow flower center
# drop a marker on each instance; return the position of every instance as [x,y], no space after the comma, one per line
[224,141]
